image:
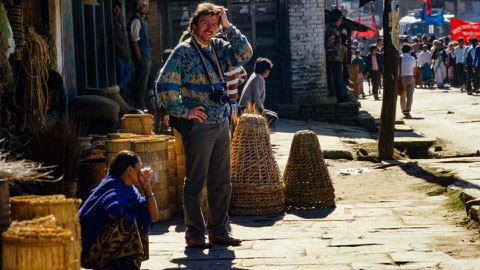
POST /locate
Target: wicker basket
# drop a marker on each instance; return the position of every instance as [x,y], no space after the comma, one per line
[256,183]
[4,211]
[114,136]
[90,174]
[181,171]
[306,177]
[137,124]
[153,151]
[39,244]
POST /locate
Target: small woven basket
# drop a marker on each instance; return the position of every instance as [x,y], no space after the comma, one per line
[137,123]
[39,244]
[256,182]
[307,180]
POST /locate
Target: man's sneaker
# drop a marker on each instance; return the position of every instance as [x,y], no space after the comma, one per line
[407,115]
[224,239]
[198,242]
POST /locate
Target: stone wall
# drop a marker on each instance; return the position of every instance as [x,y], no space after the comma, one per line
[307,47]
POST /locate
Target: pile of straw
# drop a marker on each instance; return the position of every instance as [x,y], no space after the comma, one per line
[257,188]
[306,177]
[23,170]
[39,244]
[141,124]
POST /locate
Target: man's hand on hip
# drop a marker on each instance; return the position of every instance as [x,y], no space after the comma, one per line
[198,113]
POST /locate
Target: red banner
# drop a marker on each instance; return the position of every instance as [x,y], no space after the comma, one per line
[464,29]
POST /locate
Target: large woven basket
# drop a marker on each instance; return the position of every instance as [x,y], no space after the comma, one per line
[153,151]
[4,210]
[257,188]
[64,187]
[306,177]
[137,123]
[39,244]
[64,209]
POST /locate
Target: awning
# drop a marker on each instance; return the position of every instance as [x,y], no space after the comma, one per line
[364,2]
[349,23]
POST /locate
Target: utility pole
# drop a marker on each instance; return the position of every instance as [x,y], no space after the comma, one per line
[390,86]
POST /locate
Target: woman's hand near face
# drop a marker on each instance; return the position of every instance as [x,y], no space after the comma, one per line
[145,179]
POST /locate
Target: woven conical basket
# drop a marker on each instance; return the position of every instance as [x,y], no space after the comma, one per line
[257,188]
[307,181]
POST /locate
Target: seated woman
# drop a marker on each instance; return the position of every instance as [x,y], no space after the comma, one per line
[115,218]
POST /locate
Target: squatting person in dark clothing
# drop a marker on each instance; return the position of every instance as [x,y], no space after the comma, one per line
[195,69]
[142,53]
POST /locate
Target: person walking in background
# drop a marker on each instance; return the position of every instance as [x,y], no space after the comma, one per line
[424,60]
[373,68]
[439,57]
[142,53]
[476,64]
[470,64]
[358,60]
[451,64]
[254,90]
[122,52]
[459,52]
[408,63]
[364,47]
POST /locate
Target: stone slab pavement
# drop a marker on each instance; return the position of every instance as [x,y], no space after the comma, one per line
[386,234]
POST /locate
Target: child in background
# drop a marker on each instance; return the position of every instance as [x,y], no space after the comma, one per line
[358,60]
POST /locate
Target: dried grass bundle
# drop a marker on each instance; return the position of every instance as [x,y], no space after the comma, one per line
[23,170]
[39,244]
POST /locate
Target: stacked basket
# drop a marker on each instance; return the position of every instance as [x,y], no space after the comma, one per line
[65,211]
[116,145]
[39,244]
[306,177]
[153,151]
[141,124]
[256,182]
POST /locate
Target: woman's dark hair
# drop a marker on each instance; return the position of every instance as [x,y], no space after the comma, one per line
[335,15]
[55,80]
[262,64]
[116,3]
[373,47]
[122,161]
[204,8]
[406,48]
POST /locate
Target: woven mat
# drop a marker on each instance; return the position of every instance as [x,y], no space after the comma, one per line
[307,180]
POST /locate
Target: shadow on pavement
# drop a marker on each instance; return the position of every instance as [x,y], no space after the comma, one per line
[163,227]
[218,257]
[256,221]
[313,213]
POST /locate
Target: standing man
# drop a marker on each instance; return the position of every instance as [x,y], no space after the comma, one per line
[142,53]
[408,81]
[373,68]
[439,57]
[364,47]
[459,53]
[470,64]
[195,70]
[235,77]
[122,53]
[334,50]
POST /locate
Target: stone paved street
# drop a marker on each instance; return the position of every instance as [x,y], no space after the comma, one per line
[383,220]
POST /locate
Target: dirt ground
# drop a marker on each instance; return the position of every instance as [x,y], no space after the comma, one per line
[408,182]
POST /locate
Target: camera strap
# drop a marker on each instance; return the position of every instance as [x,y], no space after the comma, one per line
[204,55]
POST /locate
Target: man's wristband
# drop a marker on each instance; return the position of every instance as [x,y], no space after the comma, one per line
[150,196]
